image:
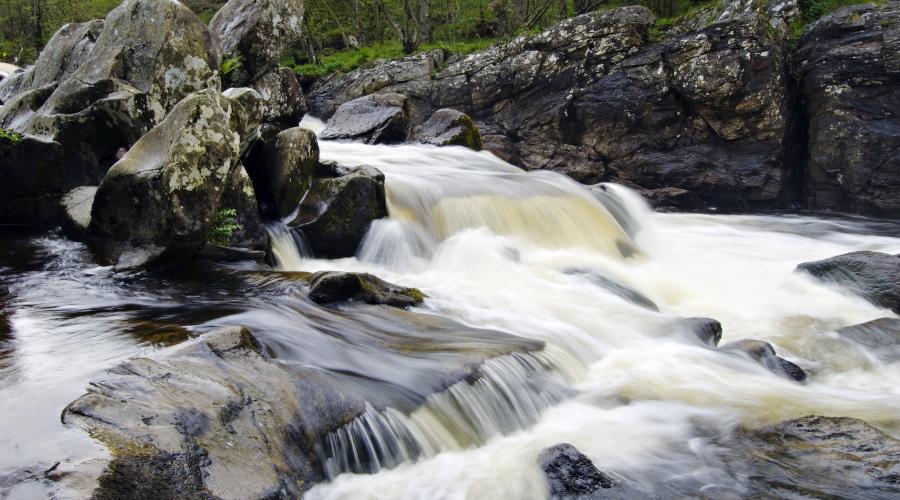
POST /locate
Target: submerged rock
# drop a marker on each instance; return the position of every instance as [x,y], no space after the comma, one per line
[618,289]
[848,65]
[448,127]
[150,54]
[872,275]
[708,330]
[328,287]
[336,214]
[880,336]
[570,474]
[160,199]
[817,457]
[374,119]
[764,354]
[255,33]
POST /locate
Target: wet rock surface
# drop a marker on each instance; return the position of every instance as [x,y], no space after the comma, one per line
[570,474]
[818,457]
[282,165]
[160,199]
[77,205]
[880,336]
[373,119]
[336,214]
[448,127]
[849,72]
[329,287]
[764,354]
[872,275]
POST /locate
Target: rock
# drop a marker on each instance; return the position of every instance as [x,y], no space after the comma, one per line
[849,70]
[283,99]
[570,474]
[253,108]
[150,54]
[327,287]
[613,287]
[336,214]
[77,205]
[448,127]
[880,336]
[872,275]
[373,119]
[282,166]
[708,330]
[764,354]
[240,196]
[65,51]
[160,199]
[256,32]
[817,457]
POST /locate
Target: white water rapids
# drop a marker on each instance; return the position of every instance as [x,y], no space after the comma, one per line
[493,246]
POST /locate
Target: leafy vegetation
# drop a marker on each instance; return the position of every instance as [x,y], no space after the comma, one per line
[10,136]
[229,65]
[224,225]
[810,10]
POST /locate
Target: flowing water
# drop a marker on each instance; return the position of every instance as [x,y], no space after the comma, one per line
[592,273]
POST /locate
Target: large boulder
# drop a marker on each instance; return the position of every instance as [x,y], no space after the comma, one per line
[764,354]
[849,69]
[336,214]
[160,199]
[63,54]
[254,34]
[282,165]
[570,474]
[77,205]
[328,287]
[816,457]
[373,119]
[150,54]
[283,99]
[448,127]
[872,275]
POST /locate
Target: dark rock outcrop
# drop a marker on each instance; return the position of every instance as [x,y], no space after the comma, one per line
[872,275]
[570,474]
[76,206]
[817,457]
[255,33]
[448,127]
[849,71]
[282,165]
[150,54]
[327,287]
[764,354]
[374,119]
[336,214]
[880,336]
[240,196]
[160,199]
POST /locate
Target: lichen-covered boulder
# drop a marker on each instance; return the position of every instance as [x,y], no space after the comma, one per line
[849,69]
[570,474]
[283,99]
[328,287]
[76,206]
[150,54]
[160,199]
[336,214]
[255,33]
[65,51]
[874,276]
[448,127]
[764,354]
[373,119]
[282,165]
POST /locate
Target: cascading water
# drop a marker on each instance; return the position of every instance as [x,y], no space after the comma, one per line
[542,257]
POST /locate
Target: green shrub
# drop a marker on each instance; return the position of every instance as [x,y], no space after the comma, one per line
[10,136]
[224,225]
[230,65]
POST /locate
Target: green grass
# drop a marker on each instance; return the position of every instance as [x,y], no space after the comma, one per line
[348,60]
[811,10]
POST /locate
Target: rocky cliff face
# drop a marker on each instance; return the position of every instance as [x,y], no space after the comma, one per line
[706,117]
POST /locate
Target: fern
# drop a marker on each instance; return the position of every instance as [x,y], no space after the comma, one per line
[10,136]
[230,65]
[224,226]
